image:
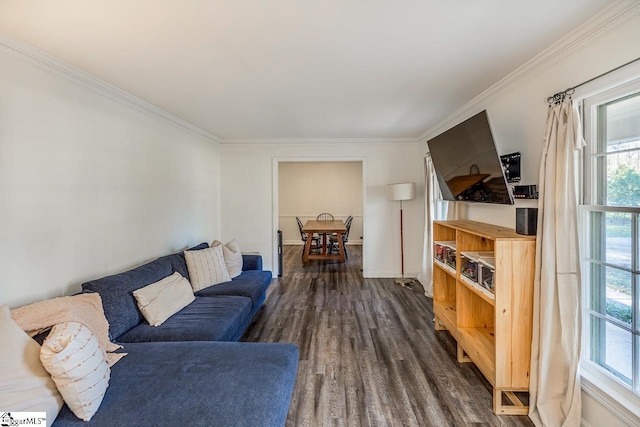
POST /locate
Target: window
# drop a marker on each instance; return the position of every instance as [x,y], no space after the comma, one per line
[610,239]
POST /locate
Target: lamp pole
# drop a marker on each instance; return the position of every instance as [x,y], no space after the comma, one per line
[401,192]
[401,243]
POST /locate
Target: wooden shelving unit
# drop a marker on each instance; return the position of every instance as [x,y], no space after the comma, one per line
[492,329]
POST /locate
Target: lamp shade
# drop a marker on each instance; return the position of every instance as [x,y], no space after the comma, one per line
[402,191]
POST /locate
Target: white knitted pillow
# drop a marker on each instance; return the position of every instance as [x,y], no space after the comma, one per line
[232,257]
[206,267]
[164,298]
[72,355]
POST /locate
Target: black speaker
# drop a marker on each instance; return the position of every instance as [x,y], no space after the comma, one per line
[280,254]
[526,221]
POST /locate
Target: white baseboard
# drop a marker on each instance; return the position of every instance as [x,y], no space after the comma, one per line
[388,275]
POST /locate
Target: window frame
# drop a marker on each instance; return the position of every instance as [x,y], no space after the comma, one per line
[597,381]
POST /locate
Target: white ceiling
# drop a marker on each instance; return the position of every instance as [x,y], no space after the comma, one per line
[252,69]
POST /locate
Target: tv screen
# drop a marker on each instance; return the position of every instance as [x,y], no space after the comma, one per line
[467,163]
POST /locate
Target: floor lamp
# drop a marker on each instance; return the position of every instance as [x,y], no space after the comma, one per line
[401,192]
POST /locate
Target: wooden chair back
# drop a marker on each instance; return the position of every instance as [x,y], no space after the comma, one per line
[324,217]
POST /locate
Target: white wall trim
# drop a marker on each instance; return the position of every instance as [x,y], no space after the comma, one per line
[603,21]
[314,215]
[356,242]
[322,159]
[607,19]
[307,141]
[56,66]
[389,275]
[608,401]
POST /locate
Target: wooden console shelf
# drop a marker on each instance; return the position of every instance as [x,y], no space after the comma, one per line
[492,327]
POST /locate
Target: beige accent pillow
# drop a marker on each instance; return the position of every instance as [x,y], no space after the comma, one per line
[164,298]
[206,267]
[25,386]
[232,257]
[72,355]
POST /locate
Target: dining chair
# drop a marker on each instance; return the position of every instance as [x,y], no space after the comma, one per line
[346,221]
[315,240]
[325,217]
[333,239]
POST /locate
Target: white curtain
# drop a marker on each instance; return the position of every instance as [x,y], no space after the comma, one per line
[433,211]
[555,351]
[456,210]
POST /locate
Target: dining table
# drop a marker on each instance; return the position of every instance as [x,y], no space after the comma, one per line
[324,229]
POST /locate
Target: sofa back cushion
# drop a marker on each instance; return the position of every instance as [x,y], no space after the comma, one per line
[120,306]
[179,263]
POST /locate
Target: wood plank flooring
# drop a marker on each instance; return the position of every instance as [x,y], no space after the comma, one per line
[369,355]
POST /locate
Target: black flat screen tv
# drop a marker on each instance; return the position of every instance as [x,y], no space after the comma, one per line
[467,164]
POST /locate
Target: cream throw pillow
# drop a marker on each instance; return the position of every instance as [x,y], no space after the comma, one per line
[206,267]
[232,257]
[164,298]
[25,386]
[72,355]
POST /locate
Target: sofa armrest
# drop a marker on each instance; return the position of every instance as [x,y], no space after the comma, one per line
[251,262]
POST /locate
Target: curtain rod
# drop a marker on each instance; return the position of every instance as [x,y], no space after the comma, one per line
[560,96]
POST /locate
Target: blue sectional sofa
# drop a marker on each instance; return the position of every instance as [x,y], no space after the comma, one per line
[189,370]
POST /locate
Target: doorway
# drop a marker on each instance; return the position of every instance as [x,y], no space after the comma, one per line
[304,188]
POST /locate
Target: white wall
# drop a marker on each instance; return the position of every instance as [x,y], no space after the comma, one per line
[518,114]
[518,117]
[306,189]
[247,174]
[89,186]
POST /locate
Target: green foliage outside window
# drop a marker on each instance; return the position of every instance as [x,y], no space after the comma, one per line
[623,187]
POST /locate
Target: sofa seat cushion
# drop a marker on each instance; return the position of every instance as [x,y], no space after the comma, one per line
[197,384]
[252,284]
[205,319]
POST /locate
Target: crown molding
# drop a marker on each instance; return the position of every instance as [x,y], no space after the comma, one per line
[607,19]
[308,141]
[56,66]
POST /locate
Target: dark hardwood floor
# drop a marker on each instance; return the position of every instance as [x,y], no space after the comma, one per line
[369,355]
